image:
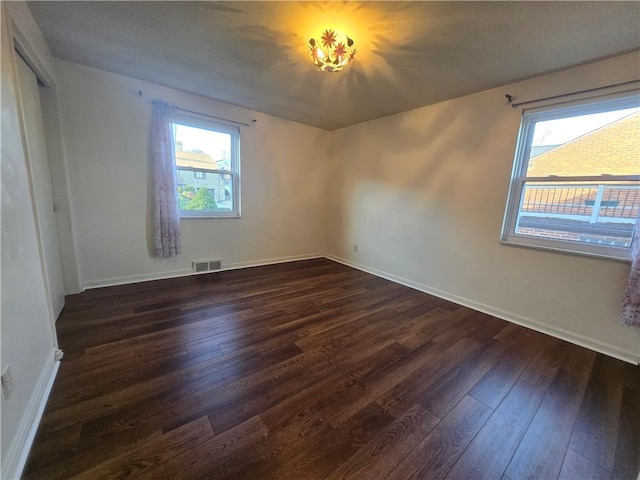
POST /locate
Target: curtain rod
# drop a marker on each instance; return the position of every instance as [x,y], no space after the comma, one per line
[213,116]
[589,90]
[138,93]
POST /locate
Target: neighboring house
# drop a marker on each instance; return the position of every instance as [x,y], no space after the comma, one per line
[193,174]
[617,145]
[545,206]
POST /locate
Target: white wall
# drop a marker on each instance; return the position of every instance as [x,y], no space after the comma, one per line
[27,337]
[106,130]
[60,184]
[423,194]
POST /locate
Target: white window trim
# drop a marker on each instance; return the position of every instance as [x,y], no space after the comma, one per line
[521,162]
[190,121]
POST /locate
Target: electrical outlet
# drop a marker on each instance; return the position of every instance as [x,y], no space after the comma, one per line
[355,247]
[7,383]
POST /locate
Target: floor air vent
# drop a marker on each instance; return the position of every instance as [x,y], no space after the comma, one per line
[206,265]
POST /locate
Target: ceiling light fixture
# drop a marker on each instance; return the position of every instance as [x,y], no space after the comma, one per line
[332,52]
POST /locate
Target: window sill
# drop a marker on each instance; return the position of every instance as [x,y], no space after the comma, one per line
[211,216]
[619,254]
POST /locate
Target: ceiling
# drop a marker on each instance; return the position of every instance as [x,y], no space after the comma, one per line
[410,54]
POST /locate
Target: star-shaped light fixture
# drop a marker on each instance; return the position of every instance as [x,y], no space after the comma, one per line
[332,52]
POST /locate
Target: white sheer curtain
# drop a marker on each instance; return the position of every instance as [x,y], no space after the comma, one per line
[167,239]
[630,314]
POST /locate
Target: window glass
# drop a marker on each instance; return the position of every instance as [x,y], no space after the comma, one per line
[576,181]
[206,170]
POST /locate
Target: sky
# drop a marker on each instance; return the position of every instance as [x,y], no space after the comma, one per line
[214,144]
[556,132]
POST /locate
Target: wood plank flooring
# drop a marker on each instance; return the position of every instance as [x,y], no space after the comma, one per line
[314,370]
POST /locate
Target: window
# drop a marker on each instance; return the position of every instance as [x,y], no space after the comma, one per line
[575,185]
[207,169]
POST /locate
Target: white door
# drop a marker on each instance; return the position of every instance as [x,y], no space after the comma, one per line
[41,178]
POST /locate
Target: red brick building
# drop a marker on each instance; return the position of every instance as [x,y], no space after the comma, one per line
[586,211]
[616,145]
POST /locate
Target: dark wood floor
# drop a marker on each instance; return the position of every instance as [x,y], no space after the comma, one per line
[313,370]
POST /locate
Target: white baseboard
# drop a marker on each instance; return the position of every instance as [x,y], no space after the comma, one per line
[273,261]
[14,462]
[187,272]
[111,282]
[590,343]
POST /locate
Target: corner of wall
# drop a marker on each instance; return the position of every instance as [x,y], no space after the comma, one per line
[60,186]
[14,462]
[30,41]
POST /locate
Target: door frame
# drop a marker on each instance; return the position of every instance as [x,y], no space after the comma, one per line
[21,47]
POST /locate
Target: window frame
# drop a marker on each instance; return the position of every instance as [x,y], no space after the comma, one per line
[234,173]
[521,163]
